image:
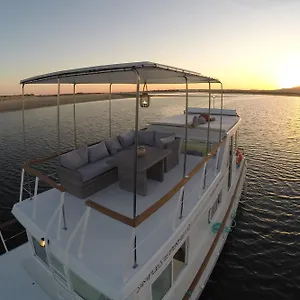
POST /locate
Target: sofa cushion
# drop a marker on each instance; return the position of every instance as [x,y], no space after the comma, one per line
[97,152]
[113,145]
[75,159]
[146,137]
[127,139]
[94,169]
[162,138]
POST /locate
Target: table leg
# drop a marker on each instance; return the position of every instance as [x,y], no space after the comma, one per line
[156,172]
[126,181]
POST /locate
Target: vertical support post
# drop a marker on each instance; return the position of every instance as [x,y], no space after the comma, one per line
[179,206]
[85,222]
[24,138]
[186,123]
[58,116]
[185,141]
[23,121]
[35,197]
[208,124]
[110,88]
[217,162]
[221,116]
[138,81]
[21,185]
[204,176]
[3,241]
[64,215]
[74,115]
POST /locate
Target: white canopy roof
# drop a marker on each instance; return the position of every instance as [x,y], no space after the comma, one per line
[126,73]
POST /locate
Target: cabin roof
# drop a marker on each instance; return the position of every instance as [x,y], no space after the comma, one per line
[124,73]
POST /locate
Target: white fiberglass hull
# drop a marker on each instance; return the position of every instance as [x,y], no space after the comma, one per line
[217,251]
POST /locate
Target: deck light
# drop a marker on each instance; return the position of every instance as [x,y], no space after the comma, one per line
[144,97]
[42,242]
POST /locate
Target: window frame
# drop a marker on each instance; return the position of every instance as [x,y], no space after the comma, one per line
[186,259]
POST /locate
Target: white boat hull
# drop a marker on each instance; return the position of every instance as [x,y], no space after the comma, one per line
[218,249]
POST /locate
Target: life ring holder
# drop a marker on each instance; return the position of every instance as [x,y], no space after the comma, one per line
[239,157]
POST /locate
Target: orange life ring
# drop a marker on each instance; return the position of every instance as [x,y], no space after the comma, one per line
[239,156]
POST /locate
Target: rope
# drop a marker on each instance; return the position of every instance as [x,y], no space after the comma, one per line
[216,226]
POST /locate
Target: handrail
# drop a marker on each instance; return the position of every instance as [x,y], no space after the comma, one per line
[42,159]
[4,240]
[164,199]
[46,158]
[7,223]
[43,178]
[111,213]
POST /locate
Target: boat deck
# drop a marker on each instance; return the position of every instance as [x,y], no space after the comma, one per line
[16,283]
[179,121]
[113,239]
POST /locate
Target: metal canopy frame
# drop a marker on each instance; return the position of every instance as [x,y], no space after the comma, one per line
[136,69]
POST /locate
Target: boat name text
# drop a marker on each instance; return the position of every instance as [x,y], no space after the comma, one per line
[166,256]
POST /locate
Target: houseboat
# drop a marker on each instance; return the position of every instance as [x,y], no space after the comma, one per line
[140,215]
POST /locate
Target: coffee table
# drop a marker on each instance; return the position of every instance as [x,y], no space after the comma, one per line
[151,165]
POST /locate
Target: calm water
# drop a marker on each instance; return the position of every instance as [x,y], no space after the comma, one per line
[261,257]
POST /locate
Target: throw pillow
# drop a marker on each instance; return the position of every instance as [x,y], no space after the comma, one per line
[127,139]
[75,159]
[146,137]
[97,152]
[113,145]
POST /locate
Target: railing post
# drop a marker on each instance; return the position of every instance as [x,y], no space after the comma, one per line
[21,185]
[203,179]
[217,162]
[62,216]
[85,222]
[35,197]
[180,204]
[3,241]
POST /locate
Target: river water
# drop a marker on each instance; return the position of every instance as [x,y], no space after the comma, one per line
[260,259]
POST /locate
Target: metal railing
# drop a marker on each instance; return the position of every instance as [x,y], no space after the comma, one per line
[9,243]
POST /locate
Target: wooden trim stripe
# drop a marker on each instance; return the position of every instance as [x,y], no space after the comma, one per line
[110,213]
[42,159]
[213,246]
[43,178]
[8,223]
[157,205]
[46,158]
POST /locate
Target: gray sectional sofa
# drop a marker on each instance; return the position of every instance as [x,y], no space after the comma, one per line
[88,169]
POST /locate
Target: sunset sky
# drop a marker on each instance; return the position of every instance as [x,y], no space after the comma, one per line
[245,43]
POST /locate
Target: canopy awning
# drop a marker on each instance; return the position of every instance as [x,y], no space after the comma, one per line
[149,72]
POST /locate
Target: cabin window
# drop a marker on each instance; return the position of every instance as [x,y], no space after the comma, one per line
[162,284]
[179,260]
[197,147]
[58,268]
[84,290]
[39,251]
[214,207]
[230,162]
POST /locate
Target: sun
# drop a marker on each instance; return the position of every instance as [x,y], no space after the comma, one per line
[289,73]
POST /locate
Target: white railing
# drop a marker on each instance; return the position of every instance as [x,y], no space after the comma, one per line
[5,240]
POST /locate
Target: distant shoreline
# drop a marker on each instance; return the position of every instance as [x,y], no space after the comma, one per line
[14,103]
